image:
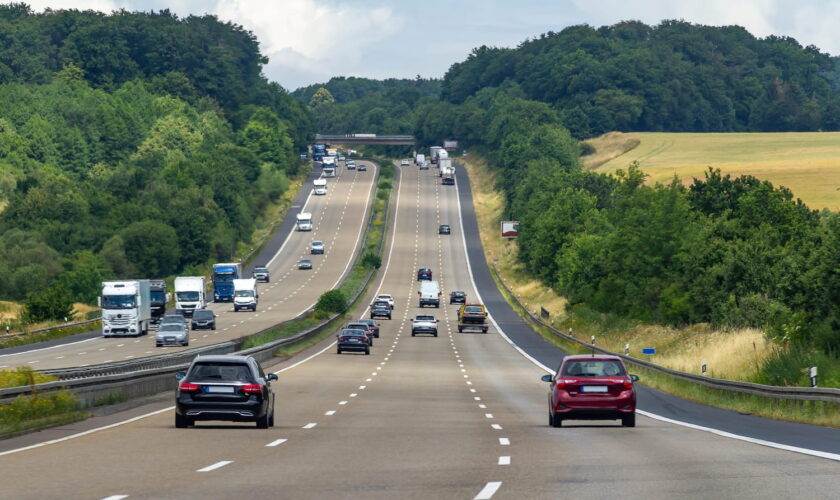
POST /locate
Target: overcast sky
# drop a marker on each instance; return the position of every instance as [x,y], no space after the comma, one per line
[309,41]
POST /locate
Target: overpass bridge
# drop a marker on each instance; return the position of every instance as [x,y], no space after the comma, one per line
[370,139]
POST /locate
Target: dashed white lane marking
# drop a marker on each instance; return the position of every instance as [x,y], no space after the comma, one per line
[277,442]
[504,460]
[310,425]
[477,398]
[482,406]
[342,402]
[353,395]
[115,497]
[504,441]
[488,491]
[330,413]
[488,415]
[362,387]
[496,426]
[368,379]
[215,466]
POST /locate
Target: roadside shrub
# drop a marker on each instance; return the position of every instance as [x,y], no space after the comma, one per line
[23,375]
[371,260]
[332,301]
[586,149]
[54,302]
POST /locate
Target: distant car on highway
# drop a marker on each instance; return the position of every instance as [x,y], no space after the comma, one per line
[591,387]
[424,273]
[387,297]
[372,324]
[350,164]
[203,318]
[261,274]
[352,340]
[172,334]
[424,323]
[305,264]
[316,247]
[403,163]
[362,167]
[444,229]
[424,165]
[224,387]
[380,308]
[358,325]
[457,297]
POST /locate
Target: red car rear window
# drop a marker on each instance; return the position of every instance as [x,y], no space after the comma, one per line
[593,368]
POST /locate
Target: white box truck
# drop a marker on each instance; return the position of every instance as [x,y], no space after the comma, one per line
[429,293]
[190,294]
[245,294]
[320,186]
[433,153]
[420,159]
[304,221]
[443,163]
[126,308]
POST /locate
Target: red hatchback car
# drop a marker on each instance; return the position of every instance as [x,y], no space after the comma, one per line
[588,387]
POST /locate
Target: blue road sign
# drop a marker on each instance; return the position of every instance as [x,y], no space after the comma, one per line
[648,350]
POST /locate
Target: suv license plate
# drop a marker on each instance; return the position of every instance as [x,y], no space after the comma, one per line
[593,388]
[219,388]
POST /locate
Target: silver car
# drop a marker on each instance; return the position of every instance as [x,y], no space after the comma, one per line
[172,334]
[316,247]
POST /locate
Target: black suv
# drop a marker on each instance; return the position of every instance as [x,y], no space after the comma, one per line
[380,308]
[457,297]
[224,387]
[203,318]
[444,229]
[424,273]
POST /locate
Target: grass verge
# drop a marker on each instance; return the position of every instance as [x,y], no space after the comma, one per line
[37,411]
[612,332]
[34,338]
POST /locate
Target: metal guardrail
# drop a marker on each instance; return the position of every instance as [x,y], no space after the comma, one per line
[92,382]
[827,394]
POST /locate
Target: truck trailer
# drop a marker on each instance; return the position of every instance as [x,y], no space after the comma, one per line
[189,294]
[126,308]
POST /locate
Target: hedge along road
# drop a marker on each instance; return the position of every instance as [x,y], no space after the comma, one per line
[339,219]
[453,416]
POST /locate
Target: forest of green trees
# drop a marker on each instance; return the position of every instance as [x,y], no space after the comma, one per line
[729,251]
[132,145]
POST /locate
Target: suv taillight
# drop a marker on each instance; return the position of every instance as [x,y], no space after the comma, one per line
[627,383]
[560,383]
[252,389]
[188,387]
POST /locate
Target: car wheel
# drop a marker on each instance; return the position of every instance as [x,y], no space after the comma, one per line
[213,327]
[185,344]
[550,418]
[377,335]
[262,422]
[389,317]
[181,422]
[460,330]
[435,334]
[158,345]
[557,421]
[367,351]
[339,351]
[271,418]
[629,420]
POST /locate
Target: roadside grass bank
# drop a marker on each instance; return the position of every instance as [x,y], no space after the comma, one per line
[808,163]
[34,338]
[37,411]
[744,355]
[370,258]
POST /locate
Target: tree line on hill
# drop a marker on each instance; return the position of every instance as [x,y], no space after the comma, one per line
[132,145]
[733,252]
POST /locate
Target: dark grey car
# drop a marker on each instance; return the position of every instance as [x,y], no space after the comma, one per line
[203,318]
[224,387]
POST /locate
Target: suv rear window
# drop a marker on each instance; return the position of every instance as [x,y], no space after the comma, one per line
[221,372]
[203,315]
[593,368]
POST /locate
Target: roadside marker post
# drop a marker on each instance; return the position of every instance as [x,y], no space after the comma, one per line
[626,349]
[813,376]
[703,367]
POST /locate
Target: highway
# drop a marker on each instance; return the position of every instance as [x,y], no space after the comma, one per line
[457,416]
[339,219]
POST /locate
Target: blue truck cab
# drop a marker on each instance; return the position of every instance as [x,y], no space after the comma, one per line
[223,276]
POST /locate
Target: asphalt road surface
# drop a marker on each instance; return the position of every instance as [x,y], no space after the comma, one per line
[339,219]
[461,415]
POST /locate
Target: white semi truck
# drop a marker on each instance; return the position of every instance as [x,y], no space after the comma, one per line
[126,308]
[433,153]
[189,294]
[320,186]
[245,295]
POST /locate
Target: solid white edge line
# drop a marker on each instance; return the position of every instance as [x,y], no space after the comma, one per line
[361,227]
[85,433]
[488,491]
[51,347]
[217,465]
[761,442]
[115,497]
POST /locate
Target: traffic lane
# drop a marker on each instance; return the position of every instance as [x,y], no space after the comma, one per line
[420,387]
[666,405]
[285,303]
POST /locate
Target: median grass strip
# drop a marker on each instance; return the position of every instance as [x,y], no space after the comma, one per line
[736,355]
[36,411]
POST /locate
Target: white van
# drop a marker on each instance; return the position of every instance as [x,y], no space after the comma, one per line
[429,293]
[304,221]
[245,295]
[320,186]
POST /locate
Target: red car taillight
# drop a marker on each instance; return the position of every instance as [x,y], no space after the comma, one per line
[188,387]
[560,383]
[252,389]
[627,383]
[342,339]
